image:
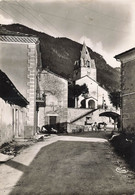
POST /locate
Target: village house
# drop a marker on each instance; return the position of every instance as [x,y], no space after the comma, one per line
[55,90]
[127,60]
[19,59]
[12,111]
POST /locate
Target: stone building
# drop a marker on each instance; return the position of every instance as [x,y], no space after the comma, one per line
[54,89]
[12,111]
[19,59]
[85,72]
[89,107]
[127,60]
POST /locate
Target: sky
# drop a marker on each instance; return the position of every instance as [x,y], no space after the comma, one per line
[107,26]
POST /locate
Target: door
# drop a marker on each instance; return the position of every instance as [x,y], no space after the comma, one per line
[52,120]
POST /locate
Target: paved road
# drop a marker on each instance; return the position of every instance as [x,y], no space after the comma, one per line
[66,165]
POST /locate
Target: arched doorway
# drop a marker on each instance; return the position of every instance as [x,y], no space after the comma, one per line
[91,104]
[83,103]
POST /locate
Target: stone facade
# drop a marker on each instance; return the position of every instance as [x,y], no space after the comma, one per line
[55,88]
[31,88]
[88,106]
[127,60]
[84,118]
[19,60]
[93,91]
[85,73]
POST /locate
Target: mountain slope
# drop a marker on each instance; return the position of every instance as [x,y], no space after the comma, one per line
[59,55]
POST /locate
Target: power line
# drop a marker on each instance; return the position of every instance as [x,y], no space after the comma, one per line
[43,17]
[31,15]
[84,23]
[69,19]
[34,15]
[7,13]
[21,14]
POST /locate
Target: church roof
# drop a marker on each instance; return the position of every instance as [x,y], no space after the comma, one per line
[89,78]
[92,80]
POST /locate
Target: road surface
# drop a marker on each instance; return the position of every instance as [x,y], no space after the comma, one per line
[67,165]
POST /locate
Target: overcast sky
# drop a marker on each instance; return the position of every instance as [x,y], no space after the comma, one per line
[107,26]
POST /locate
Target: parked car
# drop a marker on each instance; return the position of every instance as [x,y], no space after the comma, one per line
[53,130]
[44,130]
[48,130]
[101,125]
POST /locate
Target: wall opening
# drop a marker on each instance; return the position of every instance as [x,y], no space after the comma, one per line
[91,104]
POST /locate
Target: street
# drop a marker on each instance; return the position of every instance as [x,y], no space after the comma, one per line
[66,165]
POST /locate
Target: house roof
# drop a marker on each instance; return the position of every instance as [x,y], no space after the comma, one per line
[123,53]
[9,93]
[83,115]
[18,39]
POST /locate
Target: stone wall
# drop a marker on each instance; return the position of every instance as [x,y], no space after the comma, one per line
[91,84]
[56,91]
[74,113]
[31,89]
[127,60]
[103,95]
[128,96]
[83,118]
[14,62]
[128,113]
[19,61]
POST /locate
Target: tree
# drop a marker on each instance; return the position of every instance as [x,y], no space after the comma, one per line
[115,98]
[78,90]
[74,91]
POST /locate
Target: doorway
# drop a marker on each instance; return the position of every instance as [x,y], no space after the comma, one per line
[52,120]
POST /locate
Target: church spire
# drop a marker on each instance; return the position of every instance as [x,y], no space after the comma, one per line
[85,57]
[85,66]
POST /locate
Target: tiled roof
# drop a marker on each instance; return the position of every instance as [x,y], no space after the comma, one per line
[9,93]
[22,39]
[125,52]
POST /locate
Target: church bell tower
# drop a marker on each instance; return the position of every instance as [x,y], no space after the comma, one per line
[87,65]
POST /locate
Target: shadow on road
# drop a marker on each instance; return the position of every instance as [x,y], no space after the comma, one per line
[71,168]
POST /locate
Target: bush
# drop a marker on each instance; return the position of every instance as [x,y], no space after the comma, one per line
[124,145]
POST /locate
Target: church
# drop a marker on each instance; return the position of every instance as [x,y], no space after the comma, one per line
[85,72]
[89,106]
